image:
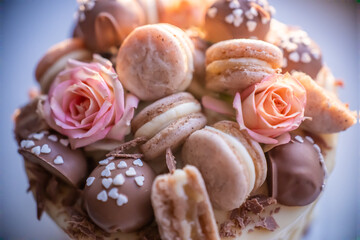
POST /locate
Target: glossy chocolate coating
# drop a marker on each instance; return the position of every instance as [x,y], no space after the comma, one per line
[300,53]
[55,156]
[228,19]
[29,120]
[108,215]
[105,23]
[297,172]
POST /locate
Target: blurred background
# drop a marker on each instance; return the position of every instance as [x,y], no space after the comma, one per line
[29,27]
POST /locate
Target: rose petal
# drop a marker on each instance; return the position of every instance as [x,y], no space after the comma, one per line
[217,105]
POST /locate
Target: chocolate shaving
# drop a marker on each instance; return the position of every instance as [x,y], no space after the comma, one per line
[250,212]
[170,160]
[267,223]
[227,229]
[80,227]
[253,206]
[126,146]
[277,210]
[150,232]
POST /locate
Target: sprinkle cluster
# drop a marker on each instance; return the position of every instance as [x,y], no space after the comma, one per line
[291,44]
[107,180]
[238,13]
[43,149]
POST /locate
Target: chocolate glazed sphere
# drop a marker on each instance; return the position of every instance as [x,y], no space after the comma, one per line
[297,172]
[105,23]
[300,53]
[117,195]
[228,19]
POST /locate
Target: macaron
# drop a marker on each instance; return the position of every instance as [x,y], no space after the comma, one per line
[105,24]
[324,111]
[155,61]
[167,123]
[55,59]
[117,194]
[182,206]
[234,65]
[231,163]
[52,151]
[229,19]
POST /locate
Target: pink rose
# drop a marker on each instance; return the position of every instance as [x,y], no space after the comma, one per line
[271,108]
[87,103]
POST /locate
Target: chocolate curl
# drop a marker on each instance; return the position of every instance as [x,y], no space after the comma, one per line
[170,161]
[120,151]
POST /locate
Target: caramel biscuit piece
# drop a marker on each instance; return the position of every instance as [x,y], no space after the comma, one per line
[182,207]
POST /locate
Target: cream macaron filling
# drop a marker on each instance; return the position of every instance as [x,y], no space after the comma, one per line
[158,123]
[240,152]
[219,66]
[51,72]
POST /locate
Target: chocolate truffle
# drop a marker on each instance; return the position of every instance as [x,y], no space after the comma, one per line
[297,171]
[300,53]
[106,23]
[52,152]
[117,195]
[228,19]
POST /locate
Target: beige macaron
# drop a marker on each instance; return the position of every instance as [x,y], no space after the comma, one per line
[231,163]
[182,207]
[234,65]
[155,61]
[55,59]
[166,123]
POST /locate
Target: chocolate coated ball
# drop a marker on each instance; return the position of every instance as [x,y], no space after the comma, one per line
[117,195]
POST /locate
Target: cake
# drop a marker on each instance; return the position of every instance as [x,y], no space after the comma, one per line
[253,141]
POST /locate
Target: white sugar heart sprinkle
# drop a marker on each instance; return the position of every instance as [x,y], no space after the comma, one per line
[64,142]
[130,172]
[104,162]
[111,166]
[53,138]
[251,25]
[45,149]
[294,56]
[234,4]
[139,180]
[212,12]
[238,13]
[119,179]
[305,58]
[138,162]
[36,150]
[309,139]
[27,143]
[122,164]
[121,200]
[58,160]
[299,139]
[113,193]
[102,196]
[106,182]
[229,19]
[106,173]
[90,181]
[37,136]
